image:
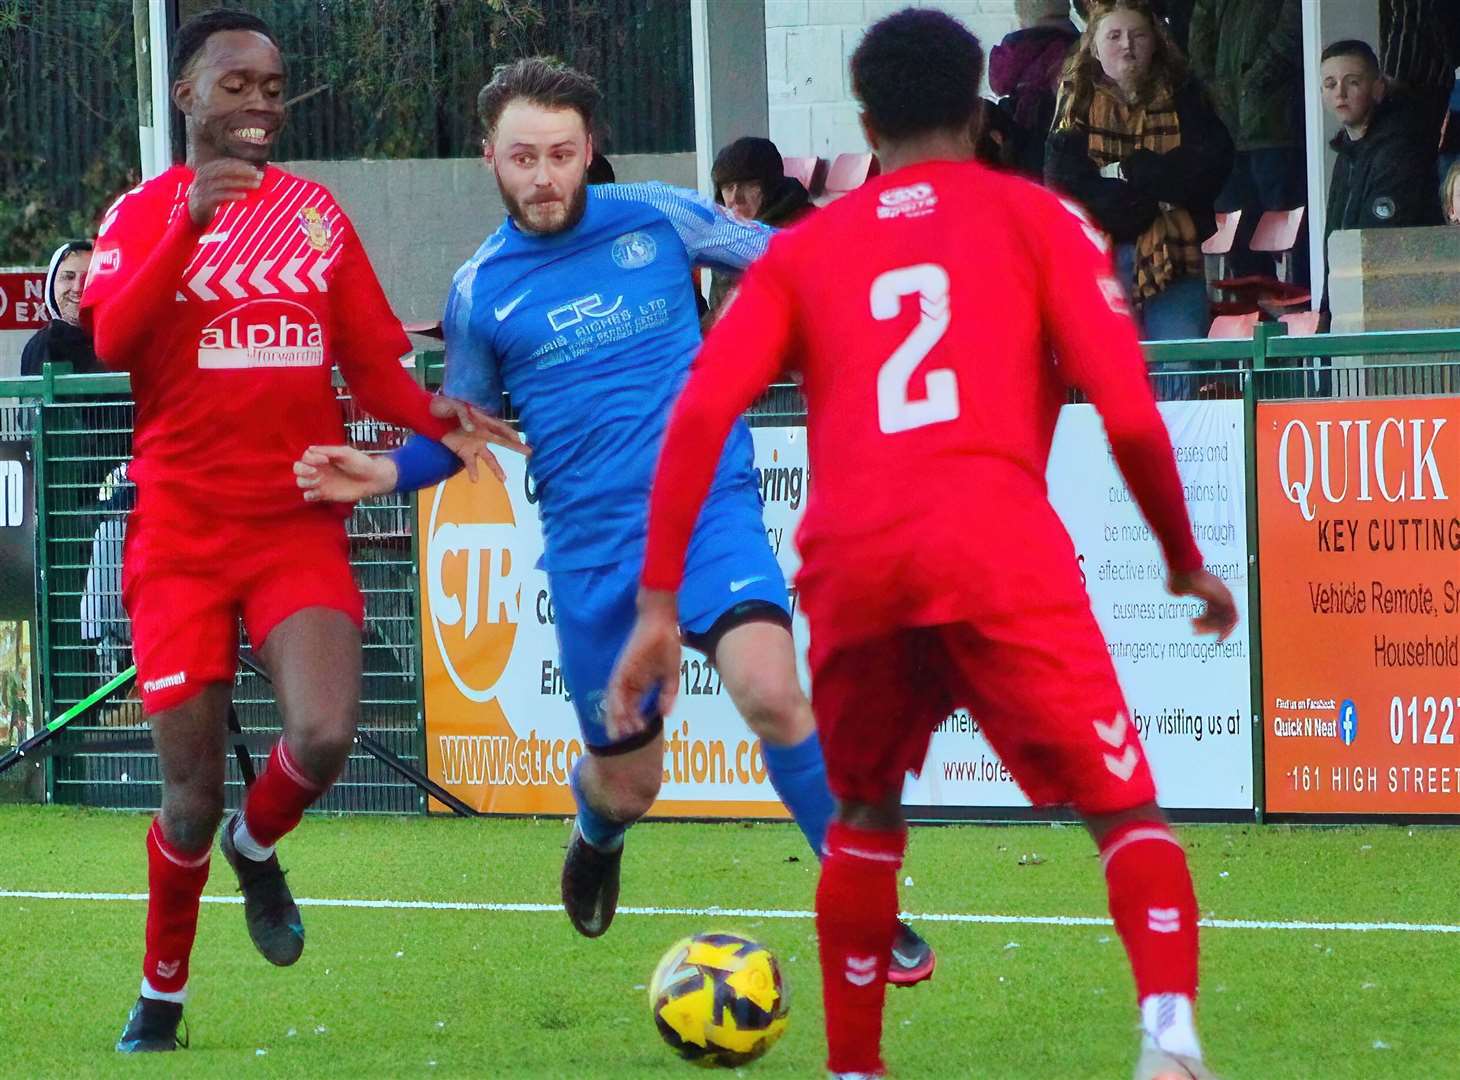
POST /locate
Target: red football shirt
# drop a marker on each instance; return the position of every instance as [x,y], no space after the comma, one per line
[230,333]
[937,318]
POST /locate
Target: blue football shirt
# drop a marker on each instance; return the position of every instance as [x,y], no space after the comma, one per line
[591,332]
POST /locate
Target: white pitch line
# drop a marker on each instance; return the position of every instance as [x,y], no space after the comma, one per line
[763,913]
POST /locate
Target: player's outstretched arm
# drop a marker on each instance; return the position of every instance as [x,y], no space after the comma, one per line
[478,432]
[343,474]
[713,237]
[1097,349]
[1220,615]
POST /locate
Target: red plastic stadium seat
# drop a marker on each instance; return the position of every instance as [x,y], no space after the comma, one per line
[1233,326]
[1303,323]
[1277,231]
[1220,242]
[811,171]
[849,172]
[1276,234]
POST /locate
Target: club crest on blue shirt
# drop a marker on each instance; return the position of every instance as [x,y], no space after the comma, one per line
[634,250]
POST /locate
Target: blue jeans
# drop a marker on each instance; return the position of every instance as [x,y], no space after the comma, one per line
[1179,311]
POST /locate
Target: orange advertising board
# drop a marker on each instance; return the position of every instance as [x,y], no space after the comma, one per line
[1359,562]
[501,730]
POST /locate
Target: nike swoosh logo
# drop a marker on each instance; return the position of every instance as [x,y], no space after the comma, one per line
[904,960]
[510,306]
[743,583]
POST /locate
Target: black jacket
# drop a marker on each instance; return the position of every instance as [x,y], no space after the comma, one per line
[1386,180]
[1191,176]
[59,342]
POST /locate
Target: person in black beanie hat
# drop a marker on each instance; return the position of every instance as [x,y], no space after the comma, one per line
[62,340]
[749,178]
[600,170]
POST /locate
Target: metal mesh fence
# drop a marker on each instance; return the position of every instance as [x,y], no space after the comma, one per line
[86,496]
[85,446]
[1353,379]
[85,443]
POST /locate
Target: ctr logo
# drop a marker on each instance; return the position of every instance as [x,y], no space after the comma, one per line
[1348,723]
[585,307]
[474,583]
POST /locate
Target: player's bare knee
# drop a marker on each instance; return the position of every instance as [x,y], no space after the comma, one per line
[778,714]
[633,800]
[883,815]
[323,751]
[628,794]
[190,817]
[1102,825]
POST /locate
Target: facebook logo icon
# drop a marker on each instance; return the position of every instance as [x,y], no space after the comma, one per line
[1348,723]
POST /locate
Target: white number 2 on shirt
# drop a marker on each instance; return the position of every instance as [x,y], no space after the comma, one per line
[895,410]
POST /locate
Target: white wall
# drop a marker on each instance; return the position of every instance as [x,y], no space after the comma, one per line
[12,344]
[808,44]
[1323,24]
[421,219]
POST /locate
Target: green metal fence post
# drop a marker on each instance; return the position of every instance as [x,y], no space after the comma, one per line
[49,373]
[42,569]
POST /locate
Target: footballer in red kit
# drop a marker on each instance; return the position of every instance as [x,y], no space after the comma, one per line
[228,289]
[935,348]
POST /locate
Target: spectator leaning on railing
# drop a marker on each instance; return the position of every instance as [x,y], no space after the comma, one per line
[1384,174]
[1138,143]
[62,340]
[1249,54]
[749,177]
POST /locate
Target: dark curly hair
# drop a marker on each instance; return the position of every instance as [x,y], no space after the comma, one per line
[918,70]
[542,81]
[194,34]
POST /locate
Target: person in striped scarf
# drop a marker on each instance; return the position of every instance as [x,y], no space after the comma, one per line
[1138,142]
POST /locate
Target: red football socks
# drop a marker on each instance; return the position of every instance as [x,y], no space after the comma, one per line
[1154,907]
[175,881]
[278,798]
[856,919]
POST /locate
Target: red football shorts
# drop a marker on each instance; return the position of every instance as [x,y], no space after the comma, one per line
[186,581]
[1041,685]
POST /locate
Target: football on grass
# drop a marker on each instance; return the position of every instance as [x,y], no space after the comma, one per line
[718,999]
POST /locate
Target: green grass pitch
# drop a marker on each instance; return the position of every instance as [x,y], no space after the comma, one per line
[457,993]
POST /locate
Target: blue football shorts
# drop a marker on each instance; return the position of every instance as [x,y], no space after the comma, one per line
[731,578]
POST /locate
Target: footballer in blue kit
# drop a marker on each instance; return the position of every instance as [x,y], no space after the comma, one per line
[580,306]
[590,331]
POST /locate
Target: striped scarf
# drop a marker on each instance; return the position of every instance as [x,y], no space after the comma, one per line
[1170,249]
